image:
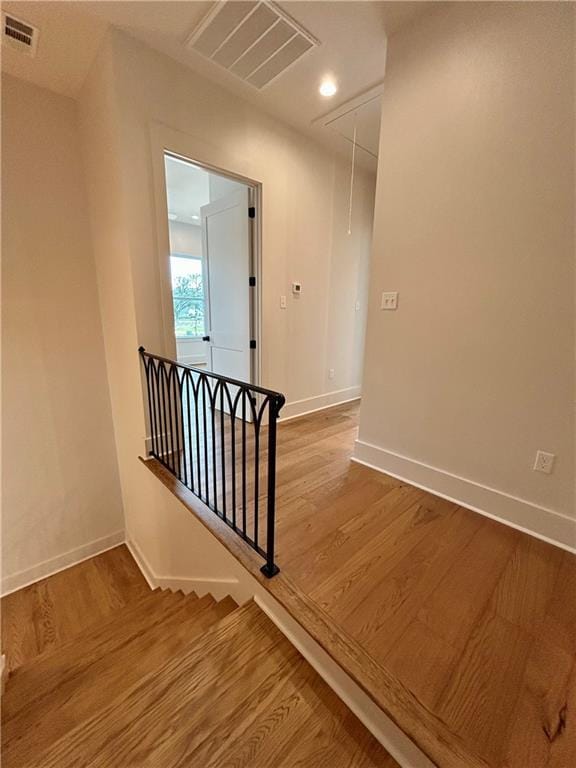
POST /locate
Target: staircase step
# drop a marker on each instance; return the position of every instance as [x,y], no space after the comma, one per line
[240,695]
[56,695]
[46,614]
[41,674]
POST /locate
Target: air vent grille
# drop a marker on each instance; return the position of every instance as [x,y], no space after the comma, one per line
[256,41]
[19,34]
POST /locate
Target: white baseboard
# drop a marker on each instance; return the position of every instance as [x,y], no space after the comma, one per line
[311,404]
[141,562]
[218,588]
[545,524]
[49,567]
[163,439]
[193,360]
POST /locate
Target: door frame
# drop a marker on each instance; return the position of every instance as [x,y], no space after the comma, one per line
[165,140]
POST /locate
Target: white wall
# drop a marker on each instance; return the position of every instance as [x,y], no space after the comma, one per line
[301,202]
[61,492]
[220,187]
[185,238]
[474,226]
[136,99]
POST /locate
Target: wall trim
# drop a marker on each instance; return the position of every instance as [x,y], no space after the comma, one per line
[296,408]
[46,568]
[218,588]
[541,522]
[194,360]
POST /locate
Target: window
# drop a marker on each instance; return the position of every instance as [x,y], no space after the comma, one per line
[187,296]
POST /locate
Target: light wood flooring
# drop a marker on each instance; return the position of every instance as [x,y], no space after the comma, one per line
[161,680]
[475,619]
[460,624]
[50,612]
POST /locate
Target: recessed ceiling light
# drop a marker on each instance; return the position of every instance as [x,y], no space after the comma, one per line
[328,87]
[172,216]
[196,218]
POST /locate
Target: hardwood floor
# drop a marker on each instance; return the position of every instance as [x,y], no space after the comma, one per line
[249,700]
[463,629]
[476,619]
[167,680]
[50,612]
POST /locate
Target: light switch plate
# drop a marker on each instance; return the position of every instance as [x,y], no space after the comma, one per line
[282,302]
[389,300]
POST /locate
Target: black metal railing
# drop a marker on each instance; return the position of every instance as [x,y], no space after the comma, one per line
[218,436]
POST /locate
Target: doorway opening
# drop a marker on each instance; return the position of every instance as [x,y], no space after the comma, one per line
[212,225]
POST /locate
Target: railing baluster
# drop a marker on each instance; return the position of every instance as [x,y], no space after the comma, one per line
[244,461]
[205,435]
[256,477]
[186,377]
[233,460]
[196,391]
[173,424]
[179,414]
[154,418]
[173,443]
[270,568]
[166,451]
[222,450]
[162,415]
[213,434]
[182,431]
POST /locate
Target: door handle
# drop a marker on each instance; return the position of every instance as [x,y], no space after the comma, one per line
[205,338]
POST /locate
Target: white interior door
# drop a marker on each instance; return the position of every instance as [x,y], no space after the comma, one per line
[226,251]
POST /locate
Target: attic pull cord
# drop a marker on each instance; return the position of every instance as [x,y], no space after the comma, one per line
[352,179]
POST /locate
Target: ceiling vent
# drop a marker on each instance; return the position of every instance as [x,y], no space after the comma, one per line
[19,34]
[256,41]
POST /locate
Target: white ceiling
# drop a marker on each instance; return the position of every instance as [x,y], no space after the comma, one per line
[187,190]
[69,39]
[189,187]
[352,51]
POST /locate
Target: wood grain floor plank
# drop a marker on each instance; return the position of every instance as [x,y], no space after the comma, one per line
[561,611]
[19,627]
[543,718]
[338,531]
[161,700]
[43,615]
[480,694]
[527,584]
[386,569]
[173,718]
[431,565]
[453,609]
[84,688]
[391,592]
[38,677]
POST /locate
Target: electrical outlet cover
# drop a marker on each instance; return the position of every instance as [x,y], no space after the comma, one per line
[544,462]
[389,300]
